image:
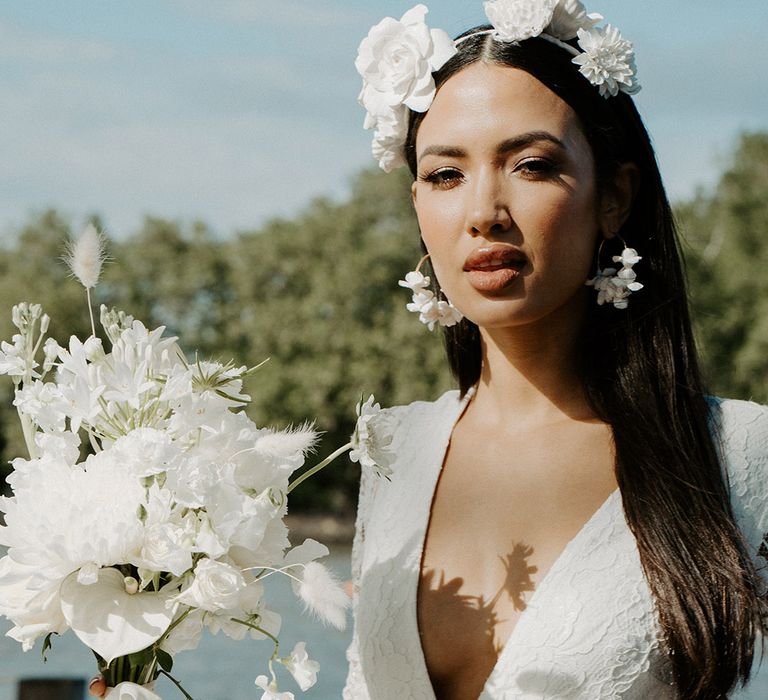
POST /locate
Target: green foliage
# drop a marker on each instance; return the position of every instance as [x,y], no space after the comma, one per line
[317,295]
[727,251]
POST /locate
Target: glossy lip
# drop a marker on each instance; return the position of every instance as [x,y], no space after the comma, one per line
[494,267]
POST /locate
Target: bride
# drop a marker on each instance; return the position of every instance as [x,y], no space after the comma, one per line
[579,520]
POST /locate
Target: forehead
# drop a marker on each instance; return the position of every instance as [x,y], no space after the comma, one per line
[489,100]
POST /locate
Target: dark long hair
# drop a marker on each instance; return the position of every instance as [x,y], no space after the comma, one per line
[642,377]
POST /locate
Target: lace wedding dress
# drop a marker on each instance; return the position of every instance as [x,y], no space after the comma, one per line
[589,630]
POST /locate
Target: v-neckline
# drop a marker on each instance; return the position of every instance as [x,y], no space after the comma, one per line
[556,565]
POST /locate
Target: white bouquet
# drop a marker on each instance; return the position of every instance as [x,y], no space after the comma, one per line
[173,519]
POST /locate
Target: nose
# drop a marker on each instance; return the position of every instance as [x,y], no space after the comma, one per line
[487,212]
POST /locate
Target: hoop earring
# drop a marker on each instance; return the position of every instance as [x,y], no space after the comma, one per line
[430,308]
[615,286]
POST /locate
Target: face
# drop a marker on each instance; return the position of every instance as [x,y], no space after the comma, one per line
[506,197]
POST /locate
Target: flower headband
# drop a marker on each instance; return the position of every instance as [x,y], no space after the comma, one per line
[398,57]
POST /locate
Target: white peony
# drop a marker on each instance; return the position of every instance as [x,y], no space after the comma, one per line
[516,20]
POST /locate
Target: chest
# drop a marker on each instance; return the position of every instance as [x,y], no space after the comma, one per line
[504,510]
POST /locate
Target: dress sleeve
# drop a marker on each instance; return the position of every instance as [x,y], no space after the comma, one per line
[355,687]
[743,432]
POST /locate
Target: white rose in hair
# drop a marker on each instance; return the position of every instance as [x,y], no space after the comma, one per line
[516,20]
[217,586]
[396,61]
[569,17]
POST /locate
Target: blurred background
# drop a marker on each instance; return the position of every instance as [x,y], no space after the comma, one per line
[220,148]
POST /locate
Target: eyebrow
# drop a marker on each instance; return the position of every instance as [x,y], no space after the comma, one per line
[513,144]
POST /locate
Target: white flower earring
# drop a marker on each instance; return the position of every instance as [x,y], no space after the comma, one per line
[613,285]
[430,308]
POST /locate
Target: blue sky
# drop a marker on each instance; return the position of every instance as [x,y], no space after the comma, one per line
[235,111]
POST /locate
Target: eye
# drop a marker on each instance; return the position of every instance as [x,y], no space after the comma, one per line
[443,178]
[536,168]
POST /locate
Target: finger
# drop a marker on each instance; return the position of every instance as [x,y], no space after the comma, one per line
[97,687]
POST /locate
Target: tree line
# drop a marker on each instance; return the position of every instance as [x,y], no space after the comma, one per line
[317,294]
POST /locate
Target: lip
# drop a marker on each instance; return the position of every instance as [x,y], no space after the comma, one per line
[492,268]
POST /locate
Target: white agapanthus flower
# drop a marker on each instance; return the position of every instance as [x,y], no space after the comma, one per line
[517,20]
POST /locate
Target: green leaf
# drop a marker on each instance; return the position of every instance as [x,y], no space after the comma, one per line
[47,645]
[164,660]
[139,659]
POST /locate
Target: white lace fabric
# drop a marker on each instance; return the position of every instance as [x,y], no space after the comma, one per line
[589,631]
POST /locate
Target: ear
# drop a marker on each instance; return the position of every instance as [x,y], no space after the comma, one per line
[413,193]
[617,198]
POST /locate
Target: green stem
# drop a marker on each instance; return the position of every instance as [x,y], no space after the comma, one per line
[258,629]
[177,684]
[322,465]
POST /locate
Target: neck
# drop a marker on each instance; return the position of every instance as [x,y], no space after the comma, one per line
[529,373]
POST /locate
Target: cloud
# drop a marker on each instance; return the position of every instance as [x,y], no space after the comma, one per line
[304,13]
[19,43]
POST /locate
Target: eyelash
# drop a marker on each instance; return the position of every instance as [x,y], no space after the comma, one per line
[529,168]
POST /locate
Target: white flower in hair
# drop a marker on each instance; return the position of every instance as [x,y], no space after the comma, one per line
[388,140]
[396,61]
[608,61]
[516,20]
[570,16]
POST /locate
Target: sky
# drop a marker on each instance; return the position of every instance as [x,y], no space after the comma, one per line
[238,111]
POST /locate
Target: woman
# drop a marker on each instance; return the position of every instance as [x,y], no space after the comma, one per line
[579,520]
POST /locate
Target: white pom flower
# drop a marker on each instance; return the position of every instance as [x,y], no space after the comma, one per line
[607,61]
[516,20]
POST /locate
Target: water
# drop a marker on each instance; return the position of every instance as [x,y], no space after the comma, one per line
[220,668]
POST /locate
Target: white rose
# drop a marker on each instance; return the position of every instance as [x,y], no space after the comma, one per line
[396,61]
[516,20]
[569,17]
[217,586]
